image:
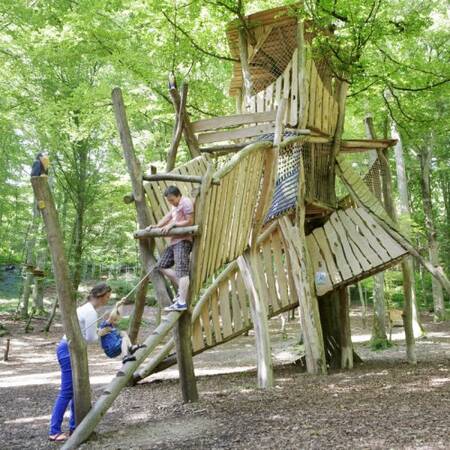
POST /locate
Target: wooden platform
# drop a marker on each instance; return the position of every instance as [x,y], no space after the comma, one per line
[351,246]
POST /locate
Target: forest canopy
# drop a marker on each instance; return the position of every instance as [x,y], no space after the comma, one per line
[61,59]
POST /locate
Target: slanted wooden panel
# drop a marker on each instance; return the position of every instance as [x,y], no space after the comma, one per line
[351,246]
[360,191]
[325,251]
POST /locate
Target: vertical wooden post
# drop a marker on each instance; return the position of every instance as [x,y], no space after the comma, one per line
[183,331]
[258,308]
[66,296]
[345,330]
[303,75]
[146,246]
[309,309]
[243,53]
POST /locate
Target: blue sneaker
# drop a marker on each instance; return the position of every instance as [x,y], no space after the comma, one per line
[177,306]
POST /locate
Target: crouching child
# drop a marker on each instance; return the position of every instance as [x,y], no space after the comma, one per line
[116,342]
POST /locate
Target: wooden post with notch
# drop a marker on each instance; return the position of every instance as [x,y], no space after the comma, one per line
[66,296]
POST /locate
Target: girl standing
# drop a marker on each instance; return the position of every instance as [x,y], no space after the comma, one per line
[87,317]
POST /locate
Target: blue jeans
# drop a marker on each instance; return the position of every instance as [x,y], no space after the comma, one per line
[65,395]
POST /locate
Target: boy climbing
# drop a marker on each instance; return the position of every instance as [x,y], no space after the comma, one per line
[178,251]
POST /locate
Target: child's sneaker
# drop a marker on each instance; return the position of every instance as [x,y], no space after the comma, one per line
[132,349]
[177,306]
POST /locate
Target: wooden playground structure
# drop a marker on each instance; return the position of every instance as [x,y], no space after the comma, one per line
[270,232]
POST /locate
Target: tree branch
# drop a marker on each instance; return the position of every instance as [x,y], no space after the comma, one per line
[195,45]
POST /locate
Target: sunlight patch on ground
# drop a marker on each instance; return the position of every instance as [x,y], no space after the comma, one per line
[45,418]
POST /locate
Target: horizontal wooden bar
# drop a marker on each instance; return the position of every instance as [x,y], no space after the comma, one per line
[232,121]
[366,144]
[220,136]
[172,177]
[157,232]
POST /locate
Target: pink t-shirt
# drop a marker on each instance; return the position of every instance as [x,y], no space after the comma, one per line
[179,213]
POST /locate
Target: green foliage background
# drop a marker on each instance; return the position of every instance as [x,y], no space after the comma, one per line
[61,59]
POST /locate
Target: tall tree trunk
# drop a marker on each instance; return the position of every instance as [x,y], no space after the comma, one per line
[29,261]
[379,337]
[412,327]
[81,155]
[38,291]
[433,245]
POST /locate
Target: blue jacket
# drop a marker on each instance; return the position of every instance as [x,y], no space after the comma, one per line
[111,342]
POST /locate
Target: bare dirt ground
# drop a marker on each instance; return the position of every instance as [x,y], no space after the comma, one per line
[382,403]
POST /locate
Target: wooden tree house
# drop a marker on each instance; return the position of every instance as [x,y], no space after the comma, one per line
[271,234]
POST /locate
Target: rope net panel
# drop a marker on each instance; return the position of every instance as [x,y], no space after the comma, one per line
[271,59]
[285,194]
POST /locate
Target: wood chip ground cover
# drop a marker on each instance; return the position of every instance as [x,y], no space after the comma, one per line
[383,403]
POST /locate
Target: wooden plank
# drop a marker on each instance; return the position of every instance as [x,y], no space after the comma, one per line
[197,336]
[326,111]
[278,87]
[282,281]
[322,242]
[319,265]
[206,321]
[268,98]
[287,87]
[358,239]
[228,214]
[235,307]
[242,298]
[368,235]
[394,249]
[337,251]
[270,276]
[225,312]
[214,239]
[312,95]
[252,177]
[349,255]
[221,237]
[232,121]
[220,136]
[207,232]
[251,107]
[319,100]
[293,113]
[216,318]
[238,206]
[260,101]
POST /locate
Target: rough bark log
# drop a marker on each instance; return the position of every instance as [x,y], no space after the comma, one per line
[66,295]
[259,318]
[146,246]
[158,232]
[309,310]
[173,177]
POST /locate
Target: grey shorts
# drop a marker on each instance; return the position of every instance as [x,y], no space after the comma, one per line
[178,255]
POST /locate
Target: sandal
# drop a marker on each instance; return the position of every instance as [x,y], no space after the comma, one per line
[59,437]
